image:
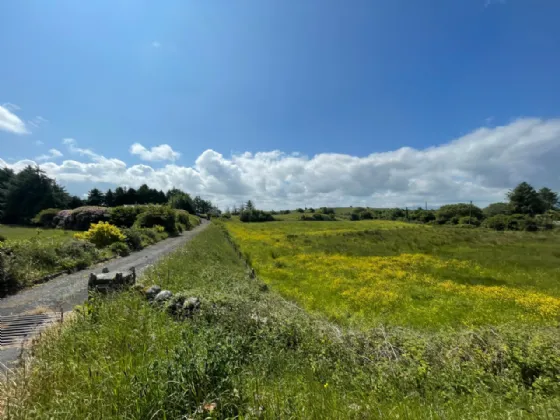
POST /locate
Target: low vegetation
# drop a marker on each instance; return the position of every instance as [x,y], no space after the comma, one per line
[26,261]
[249,353]
[370,272]
[27,255]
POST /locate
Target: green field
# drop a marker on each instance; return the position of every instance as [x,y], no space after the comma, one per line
[370,272]
[25,232]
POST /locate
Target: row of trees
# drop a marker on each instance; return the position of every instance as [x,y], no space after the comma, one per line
[523,200]
[24,194]
[175,197]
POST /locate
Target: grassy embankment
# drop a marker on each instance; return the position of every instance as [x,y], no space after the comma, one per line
[257,356]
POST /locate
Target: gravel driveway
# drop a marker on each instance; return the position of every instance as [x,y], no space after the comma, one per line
[70,290]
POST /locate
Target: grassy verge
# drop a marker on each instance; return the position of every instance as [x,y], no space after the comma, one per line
[250,354]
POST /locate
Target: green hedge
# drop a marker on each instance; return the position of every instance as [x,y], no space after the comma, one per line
[158,215]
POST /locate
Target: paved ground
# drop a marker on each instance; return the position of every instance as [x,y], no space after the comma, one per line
[70,290]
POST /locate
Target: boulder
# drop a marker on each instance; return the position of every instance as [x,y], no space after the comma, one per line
[191,306]
[163,296]
[152,292]
[111,280]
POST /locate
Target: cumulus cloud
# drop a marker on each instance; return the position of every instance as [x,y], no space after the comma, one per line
[53,153]
[157,153]
[10,122]
[480,166]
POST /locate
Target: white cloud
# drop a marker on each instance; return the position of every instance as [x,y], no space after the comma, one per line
[157,153]
[480,166]
[53,153]
[156,44]
[38,143]
[37,121]
[11,107]
[11,122]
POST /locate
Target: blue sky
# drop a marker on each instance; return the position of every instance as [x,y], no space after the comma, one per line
[227,93]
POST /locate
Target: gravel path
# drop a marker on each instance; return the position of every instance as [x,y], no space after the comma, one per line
[70,290]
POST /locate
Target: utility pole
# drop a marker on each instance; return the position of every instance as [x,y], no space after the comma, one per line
[470,213]
[426,205]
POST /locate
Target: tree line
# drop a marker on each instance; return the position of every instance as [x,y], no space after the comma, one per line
[175,197]
[24,194]
[525,208]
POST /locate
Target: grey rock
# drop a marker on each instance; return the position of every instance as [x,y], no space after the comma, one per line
[191,306]
[152,292]
[105,270]
[111,280]
[175,304]
[163,296]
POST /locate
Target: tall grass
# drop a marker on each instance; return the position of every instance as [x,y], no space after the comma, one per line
[251,354]
[364,273]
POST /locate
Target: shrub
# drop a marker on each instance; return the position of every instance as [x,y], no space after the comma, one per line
[425,216]
[183,219]
[318,217]
[125,216]
[452,212]
[300,210]
[120,248]
[2,238]
[366,215]
[133,238]
[255,216]
[45,217]
[498,222]
[101,234]
[138,238]
[84,217]
[63,219]
[7,280]
[76,254]
[75,248]
[150,234]
[515,222]
[81,218]
[472,221]
[354,216]
[158,215]
[531,224]
[327,210]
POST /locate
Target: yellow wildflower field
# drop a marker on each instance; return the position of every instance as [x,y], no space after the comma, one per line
[370,272]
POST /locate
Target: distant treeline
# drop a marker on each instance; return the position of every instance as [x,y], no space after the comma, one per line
[525,209]
[24,194]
